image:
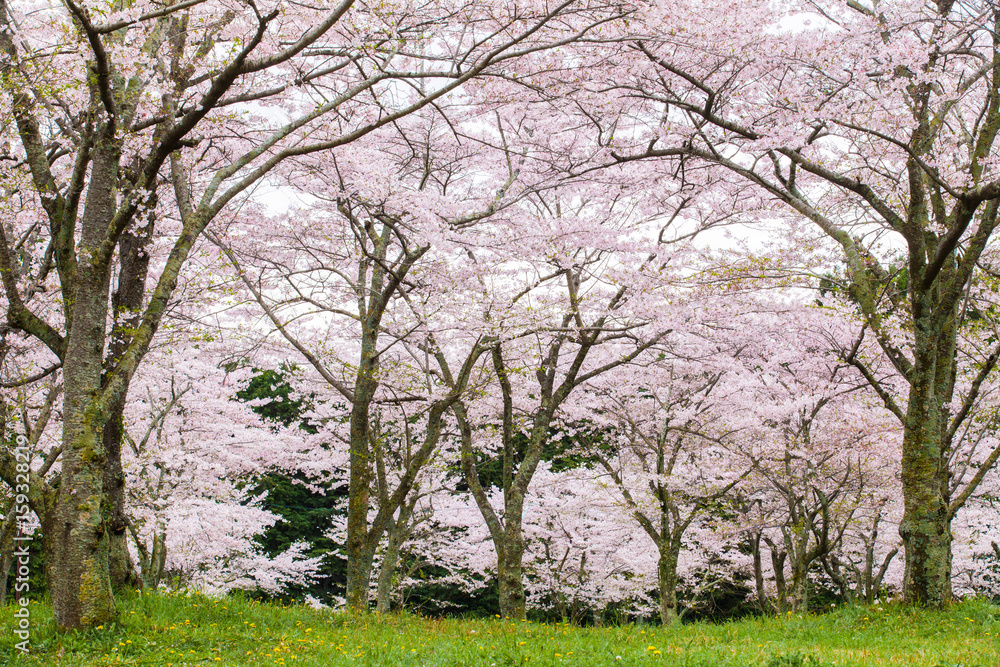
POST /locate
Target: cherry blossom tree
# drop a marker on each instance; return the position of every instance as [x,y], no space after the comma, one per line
[670,467]
[563,314]
[864,566]
[581,559]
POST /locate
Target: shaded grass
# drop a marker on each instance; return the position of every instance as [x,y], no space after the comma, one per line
[178,629]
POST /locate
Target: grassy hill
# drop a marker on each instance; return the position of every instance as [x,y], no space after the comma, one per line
[180,629]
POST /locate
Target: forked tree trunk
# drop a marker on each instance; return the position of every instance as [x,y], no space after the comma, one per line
[507,536]
[398,531]
[77,544]
[153,575]
[151,563]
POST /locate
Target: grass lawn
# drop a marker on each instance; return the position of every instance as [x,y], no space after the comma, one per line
[177,629]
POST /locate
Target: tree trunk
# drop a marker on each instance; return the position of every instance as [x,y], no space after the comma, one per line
[7,531]
[778,565]
[509,572]
[383,596]
[926,524]
[797,591]
[758,573]
[359,558]
[398,531]
[6,560]
[359,550]
[77,544]
[152,574]
[151,563]
[120,566]
[667,578]
[359,576]
[76,548]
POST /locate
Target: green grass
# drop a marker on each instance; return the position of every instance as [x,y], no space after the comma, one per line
[174,630]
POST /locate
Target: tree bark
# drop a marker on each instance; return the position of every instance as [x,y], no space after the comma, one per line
[758,573]
[513,602]
[667,579]
[359,576]
[797,591]
[398,531]
[926,524]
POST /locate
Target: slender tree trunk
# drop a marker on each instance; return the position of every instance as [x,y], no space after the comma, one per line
[383,595]
[120,566]
[758,573]
[151,563]
[126,303]
[7,531]
[155,562]
[6,560]
[398,532]
[5,563]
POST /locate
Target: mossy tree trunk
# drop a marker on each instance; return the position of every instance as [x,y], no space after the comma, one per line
[666,575]
[926,524]
[398,531]
[77,562]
